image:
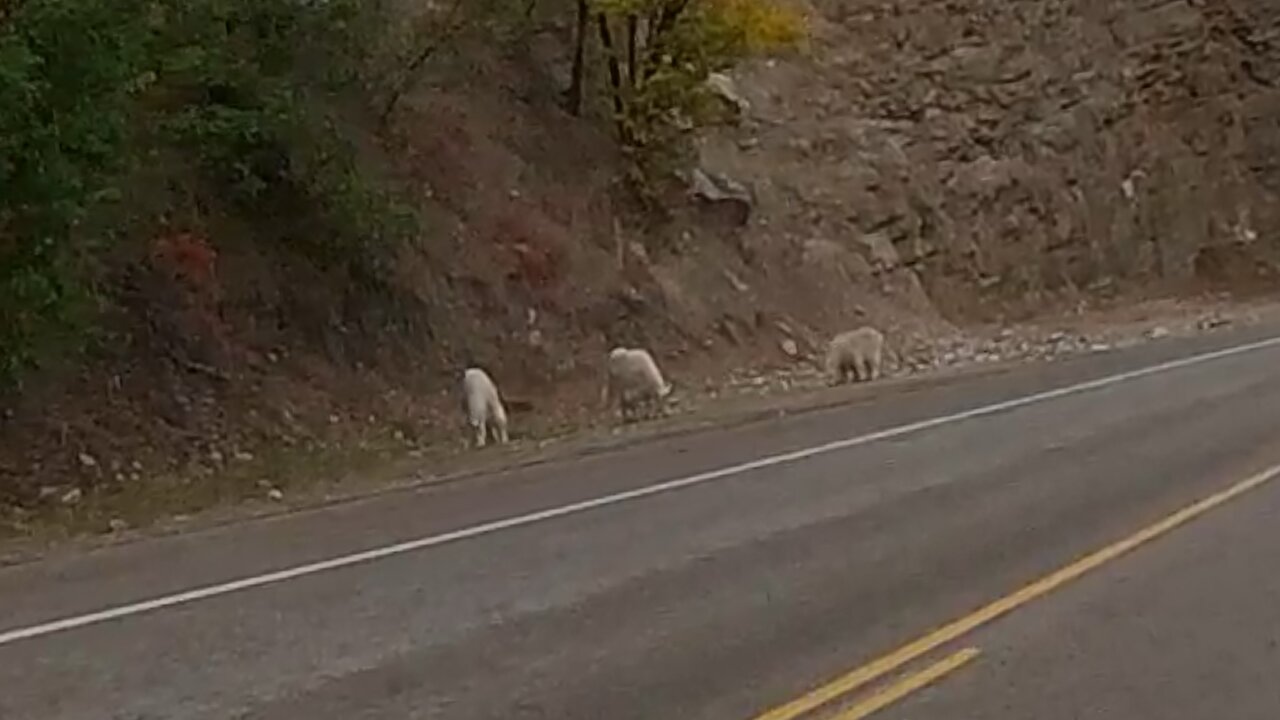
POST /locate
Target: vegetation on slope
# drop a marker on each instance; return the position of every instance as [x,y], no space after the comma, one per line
[237,101]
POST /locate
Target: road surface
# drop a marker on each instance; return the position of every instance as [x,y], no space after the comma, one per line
[1094,538]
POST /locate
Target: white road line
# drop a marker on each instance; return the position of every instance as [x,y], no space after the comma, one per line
[279,576]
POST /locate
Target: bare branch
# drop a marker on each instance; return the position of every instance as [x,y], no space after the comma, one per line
[450,26]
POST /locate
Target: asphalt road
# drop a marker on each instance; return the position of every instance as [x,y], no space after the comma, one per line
[724,574]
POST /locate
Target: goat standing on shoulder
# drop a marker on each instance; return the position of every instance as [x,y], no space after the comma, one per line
[483,407]
[855,355]
[635,380]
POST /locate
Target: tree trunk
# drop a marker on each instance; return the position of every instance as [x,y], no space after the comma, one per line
[633,28]
[615,76]
[573,96]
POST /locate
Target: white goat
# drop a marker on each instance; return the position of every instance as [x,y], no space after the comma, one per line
[635,380]
[855,355]
[483,406]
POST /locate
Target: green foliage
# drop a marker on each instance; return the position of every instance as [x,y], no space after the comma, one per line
[88,87]
[67,74]
[245,111]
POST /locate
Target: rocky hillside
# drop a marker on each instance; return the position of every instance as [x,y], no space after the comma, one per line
[920,167]
[1006,153]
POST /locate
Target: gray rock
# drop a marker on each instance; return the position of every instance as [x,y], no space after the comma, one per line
[725,88]
[1213,322]
[881,249]
[721,191]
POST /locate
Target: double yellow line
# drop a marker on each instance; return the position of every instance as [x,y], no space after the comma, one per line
[856,679]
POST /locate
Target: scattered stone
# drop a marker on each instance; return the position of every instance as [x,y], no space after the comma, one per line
[215,456]
[1127,188]
[137,466]
[242,456]
[736,281]
[986,282]
[1212,322]
[72,496]
[1099,347]
[881,250]
[88,461]
[789,348]
[719,190]
[275,495]
[1158,332]
[48,491]
[117,525]
[726,89]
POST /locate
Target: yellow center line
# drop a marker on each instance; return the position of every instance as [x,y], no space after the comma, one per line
[861,676]
[907,685]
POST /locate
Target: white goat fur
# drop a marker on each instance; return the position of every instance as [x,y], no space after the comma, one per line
[635,380]
[855,355]
[483,406]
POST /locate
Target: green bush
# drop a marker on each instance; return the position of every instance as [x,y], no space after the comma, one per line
[68,71]
[88,87]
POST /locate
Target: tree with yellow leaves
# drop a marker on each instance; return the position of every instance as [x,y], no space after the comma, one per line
[659,53]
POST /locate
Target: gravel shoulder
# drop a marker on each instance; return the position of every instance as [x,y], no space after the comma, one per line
[744,396]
